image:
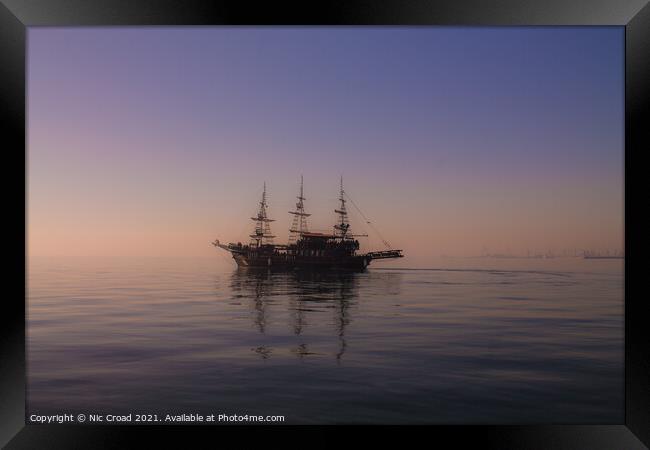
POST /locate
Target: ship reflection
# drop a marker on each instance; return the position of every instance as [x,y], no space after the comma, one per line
[308,303]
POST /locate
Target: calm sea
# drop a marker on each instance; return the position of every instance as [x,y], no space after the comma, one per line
[468,341]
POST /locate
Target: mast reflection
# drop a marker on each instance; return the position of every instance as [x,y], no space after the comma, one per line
[299,298]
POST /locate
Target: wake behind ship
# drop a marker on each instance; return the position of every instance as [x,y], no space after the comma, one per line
[305,249]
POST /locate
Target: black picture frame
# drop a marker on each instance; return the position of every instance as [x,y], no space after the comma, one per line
[17,15]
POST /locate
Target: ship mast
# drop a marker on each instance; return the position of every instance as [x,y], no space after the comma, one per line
[299,224]
[341,228]
[262,234]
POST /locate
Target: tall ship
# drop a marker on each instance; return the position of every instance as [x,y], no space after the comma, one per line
[305,249]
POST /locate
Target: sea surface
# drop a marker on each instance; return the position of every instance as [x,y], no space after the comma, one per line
[468,340]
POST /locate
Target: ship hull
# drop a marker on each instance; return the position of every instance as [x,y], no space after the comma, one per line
[290,262]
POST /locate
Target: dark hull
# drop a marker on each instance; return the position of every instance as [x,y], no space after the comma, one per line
[291,262]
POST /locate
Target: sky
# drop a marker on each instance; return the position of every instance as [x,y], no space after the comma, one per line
[154,141]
